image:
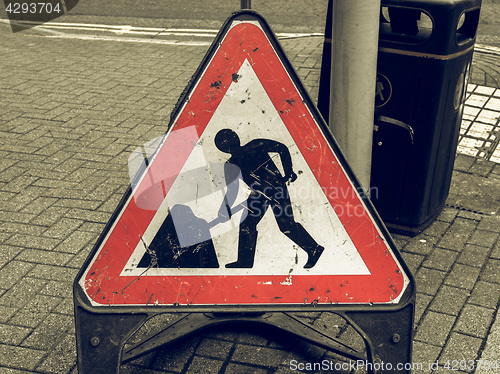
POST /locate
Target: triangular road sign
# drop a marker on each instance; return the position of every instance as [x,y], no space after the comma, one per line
[246,200]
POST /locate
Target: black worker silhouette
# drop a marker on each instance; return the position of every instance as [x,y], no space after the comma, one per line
[183,241]
[268,189]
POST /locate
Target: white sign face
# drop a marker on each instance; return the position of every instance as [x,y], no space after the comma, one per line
[247,109]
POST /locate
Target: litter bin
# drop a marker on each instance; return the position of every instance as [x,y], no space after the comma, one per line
[425,52]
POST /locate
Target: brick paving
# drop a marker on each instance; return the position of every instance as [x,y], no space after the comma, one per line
[72,111]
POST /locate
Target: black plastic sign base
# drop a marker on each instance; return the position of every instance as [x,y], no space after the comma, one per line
[155,258]
[101,337]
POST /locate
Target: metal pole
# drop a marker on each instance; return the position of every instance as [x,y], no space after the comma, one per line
[246,4]
[352,86]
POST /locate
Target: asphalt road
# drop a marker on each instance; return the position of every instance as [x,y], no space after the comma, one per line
[282,15]
[292,16]
[295,13]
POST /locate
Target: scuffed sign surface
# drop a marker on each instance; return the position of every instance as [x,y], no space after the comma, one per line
[185,203]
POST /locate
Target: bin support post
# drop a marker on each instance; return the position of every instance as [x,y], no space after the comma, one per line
[246,4]
[355,29]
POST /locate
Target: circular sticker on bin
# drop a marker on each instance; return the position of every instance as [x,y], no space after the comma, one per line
[383,91]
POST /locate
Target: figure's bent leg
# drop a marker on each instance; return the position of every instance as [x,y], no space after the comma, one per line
[297,233]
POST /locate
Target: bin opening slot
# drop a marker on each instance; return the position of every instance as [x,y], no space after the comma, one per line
[406,25]
[467,26]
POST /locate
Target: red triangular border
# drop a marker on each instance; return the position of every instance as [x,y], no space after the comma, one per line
[247,40]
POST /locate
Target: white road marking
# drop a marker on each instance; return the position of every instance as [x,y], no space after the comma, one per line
[51,27]
[123,39]
[481,48]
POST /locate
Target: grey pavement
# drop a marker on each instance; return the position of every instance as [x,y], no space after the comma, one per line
[73,108]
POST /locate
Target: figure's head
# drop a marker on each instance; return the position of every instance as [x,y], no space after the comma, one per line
[227,141]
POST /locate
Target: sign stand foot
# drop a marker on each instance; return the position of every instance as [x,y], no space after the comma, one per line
[393,340]
[100,338]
